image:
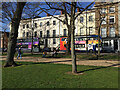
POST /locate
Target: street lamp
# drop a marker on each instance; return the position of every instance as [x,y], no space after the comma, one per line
[32,36]
[86,35]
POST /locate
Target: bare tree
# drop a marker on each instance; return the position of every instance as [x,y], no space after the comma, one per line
[69,10]
[15,17]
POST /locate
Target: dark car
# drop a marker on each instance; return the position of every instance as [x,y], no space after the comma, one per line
[107,49]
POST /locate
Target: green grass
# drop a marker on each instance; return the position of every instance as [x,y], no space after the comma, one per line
[44,75]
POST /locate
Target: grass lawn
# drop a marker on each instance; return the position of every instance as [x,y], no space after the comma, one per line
[44,75]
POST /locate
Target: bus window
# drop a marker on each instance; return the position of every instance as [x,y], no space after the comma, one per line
[65,45]
[78,39]
[81,39]
[84,39]
[35,40]
[63,39]
[82,45]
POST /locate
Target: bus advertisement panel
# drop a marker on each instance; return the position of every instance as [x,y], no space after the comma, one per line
[80,43]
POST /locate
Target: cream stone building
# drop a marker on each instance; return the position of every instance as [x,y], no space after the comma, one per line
[50,29]
[85,23]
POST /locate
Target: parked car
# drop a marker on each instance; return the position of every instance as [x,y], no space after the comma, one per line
[107,49]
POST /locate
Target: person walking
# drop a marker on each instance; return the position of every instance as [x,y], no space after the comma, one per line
[19,53]
[54,53]
[44,52]
[94,49]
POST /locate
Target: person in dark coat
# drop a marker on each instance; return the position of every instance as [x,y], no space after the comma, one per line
[94,49]
[19,53]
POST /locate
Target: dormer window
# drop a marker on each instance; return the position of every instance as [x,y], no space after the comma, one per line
[103,10]
[90,18]
[111,9]
[112,19]
[23,26]
[54,22]
[40,24]
[36,25]
[27,26]
[48,23]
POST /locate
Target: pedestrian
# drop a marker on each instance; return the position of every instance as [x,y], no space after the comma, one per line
[44,52]
[19,53]
[54,53]
[94,49]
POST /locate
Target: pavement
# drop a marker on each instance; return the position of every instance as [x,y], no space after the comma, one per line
[68,61]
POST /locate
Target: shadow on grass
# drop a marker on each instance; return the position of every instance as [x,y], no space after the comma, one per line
[100,67]
[97,68]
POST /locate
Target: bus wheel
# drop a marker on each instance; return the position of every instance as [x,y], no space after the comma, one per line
[91,51]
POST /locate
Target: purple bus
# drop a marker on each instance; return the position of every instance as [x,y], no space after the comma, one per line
[27,43]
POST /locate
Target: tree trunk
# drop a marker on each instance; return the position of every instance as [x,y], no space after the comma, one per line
[99,39]
[99,42]
[13,35]
[72,24]
[74,66]
[68,51]
[32,44]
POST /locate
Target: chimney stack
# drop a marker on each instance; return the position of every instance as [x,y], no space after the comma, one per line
[78,10]
[47,14]
[62,12]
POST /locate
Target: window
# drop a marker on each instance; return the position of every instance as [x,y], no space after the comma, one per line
[103,10]
[54,22]
[111,9]
[48,33]
[40,24]
[103,32]
[90,18]
[80,46]
[90,30]
[54,41]
[40,33]
[27,26]
[64,34]
[54,33]
[48,23]
[36,25]
[112,19]
[81,19]
[27,34]
[23,34]
[104,20]
[81,31]
[23,26]
[112,32]
[35,34]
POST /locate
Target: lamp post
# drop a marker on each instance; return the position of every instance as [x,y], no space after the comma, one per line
[86,35]
[32,36]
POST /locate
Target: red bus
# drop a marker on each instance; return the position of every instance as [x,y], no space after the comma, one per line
[80,43]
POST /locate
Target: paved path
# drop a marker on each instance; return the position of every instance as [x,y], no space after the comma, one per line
[68,61]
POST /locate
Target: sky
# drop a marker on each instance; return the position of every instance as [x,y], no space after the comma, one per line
[84,4]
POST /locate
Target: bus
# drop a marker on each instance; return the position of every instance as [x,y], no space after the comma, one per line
[27,44]
[81,43]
